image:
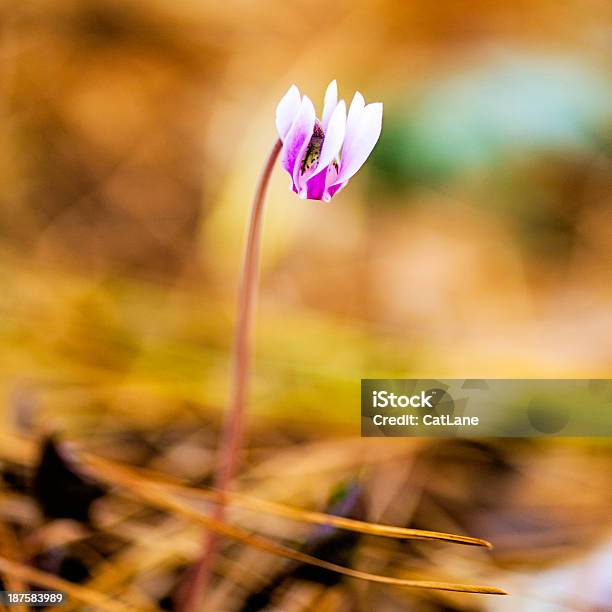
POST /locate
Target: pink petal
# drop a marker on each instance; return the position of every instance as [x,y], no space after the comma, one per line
[360,141]
[330,179]
[297,139]
[333,190]
[329,103]
[334,137]
[287,110]
[315,186]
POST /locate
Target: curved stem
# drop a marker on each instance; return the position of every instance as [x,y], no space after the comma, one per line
[234,423]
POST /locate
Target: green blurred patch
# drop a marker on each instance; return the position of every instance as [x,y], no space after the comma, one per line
[471,122]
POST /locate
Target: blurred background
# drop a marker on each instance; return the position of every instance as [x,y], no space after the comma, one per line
[476,242]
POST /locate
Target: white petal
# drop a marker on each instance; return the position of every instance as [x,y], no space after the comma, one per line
[303,134]
[297,139]
[354,118]
[329,103]
[334,137]
[360,141]
[355,110]
[287,110]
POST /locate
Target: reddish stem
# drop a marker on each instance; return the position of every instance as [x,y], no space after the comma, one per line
[234,423]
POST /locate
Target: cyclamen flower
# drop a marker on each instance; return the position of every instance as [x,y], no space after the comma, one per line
[311,151]
[321,157]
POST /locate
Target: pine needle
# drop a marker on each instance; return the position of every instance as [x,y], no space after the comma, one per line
[158,495]
[290,512]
